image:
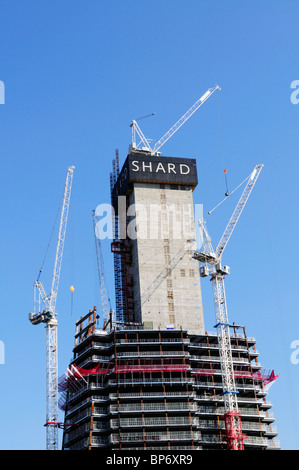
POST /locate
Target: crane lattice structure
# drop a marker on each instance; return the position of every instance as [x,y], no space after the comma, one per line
[49,316]
[211,266]
[144,144]
[105,300]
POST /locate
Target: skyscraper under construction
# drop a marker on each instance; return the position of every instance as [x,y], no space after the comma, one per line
[152,378]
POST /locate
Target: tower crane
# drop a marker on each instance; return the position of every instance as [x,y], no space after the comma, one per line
[144,144]
[48,315]
[105,300]
[210,260]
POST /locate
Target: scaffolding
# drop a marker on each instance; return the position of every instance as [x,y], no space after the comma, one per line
[121,249]
[117,255]
[164,385]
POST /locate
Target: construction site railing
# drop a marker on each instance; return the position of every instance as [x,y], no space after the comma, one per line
[185,393]
[154,436]
[157,421]
[246,426]
[80,445]
[153,340]
[99,441]
[234,336]
[273,444]
[217,359]
[212,385]
[148,380]
[245,399]
[153,353]
[220,411]
[216,347]
[134,407]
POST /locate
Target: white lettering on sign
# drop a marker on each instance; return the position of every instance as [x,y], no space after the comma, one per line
[160,167]
[171,168]
[149,166]
[181,168]
[184,172]
[135,165]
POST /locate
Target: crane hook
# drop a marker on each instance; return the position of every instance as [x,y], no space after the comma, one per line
[227,191]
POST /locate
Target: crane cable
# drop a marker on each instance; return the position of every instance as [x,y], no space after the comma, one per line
[71,220]
[227,194]
[162,110]
[50,239]
[221,144]
[221,202]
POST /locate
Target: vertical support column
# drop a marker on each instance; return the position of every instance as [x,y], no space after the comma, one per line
[91,426]
[52,387]
[117,388]
[89,322]
[94,319]
[232,417]
[187,390]
[81,328]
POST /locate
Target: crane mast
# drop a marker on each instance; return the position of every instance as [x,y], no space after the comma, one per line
[137,131]
[211,266]
[49,316]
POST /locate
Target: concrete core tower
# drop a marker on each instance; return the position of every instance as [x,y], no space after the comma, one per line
[157,279]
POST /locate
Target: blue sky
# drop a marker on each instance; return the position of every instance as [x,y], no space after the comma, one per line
[75,76]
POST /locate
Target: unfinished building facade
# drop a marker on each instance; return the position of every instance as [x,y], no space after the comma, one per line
[151,378]
[145,389]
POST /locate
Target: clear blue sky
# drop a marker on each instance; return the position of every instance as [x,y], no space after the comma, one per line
[75,75]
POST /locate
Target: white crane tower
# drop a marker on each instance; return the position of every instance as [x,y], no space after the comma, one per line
[49,316]
[211,266]
[144,145]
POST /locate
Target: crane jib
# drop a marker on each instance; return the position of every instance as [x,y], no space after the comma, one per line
[144,142]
